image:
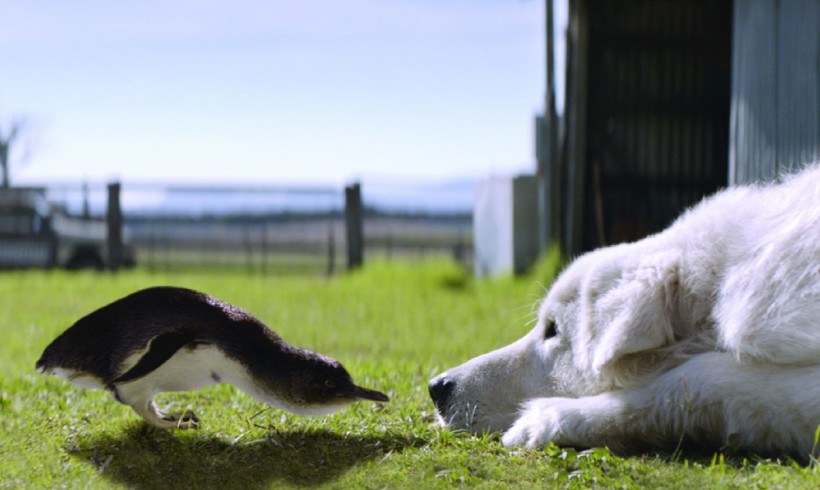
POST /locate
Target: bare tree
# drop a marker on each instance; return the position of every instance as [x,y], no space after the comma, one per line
[8,135]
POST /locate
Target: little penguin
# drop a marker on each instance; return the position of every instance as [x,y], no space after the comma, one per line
[166,338]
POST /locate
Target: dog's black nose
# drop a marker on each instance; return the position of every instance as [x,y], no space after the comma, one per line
[440,388]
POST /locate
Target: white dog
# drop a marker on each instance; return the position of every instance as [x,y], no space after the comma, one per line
[708,331]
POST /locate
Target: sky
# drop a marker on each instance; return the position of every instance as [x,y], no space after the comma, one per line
[271,91]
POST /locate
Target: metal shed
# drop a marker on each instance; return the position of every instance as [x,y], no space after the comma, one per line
[668,101]
[775,122]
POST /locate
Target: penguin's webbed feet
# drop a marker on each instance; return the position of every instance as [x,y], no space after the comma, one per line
[156,417]
[187,420]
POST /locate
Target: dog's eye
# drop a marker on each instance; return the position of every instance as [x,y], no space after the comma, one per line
[549,329]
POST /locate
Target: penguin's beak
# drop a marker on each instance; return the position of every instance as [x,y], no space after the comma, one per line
[365,394]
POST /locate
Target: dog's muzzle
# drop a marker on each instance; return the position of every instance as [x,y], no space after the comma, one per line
[441,387]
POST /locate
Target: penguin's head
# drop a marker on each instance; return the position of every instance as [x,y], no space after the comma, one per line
[322,386]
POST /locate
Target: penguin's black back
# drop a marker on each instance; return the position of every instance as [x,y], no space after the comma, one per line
[99,342]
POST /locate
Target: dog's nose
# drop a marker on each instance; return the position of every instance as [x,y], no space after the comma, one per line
[440,388]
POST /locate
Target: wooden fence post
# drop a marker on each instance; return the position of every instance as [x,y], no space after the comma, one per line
[264,256]
[354,227]
[331,251]
[114,223]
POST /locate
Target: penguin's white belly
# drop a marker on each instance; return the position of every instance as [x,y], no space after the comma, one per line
[188,369]
[191,369]
[77,378]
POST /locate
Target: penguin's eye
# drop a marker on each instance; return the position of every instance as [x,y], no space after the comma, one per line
[550,330]
[330,384]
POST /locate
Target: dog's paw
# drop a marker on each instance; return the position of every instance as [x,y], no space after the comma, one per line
[542,421]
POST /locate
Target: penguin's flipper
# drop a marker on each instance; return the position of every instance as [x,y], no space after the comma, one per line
[160,349]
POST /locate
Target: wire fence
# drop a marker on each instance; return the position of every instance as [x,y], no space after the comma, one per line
[272,230]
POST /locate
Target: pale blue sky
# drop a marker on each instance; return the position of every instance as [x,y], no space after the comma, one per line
[273,91]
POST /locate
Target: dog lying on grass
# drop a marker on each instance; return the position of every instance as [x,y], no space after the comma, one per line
[708,331]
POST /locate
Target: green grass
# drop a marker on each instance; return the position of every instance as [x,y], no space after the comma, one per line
[393,325]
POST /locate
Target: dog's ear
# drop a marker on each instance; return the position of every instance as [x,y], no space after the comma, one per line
[634,313]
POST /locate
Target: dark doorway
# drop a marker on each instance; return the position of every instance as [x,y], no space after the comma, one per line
[657,113]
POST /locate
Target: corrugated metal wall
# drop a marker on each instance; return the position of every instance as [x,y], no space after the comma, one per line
[775,109]
[657,113]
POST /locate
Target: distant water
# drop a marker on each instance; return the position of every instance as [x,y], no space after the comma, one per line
[442,198]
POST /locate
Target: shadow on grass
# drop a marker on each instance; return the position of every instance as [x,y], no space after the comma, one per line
[144,457]
[706,455]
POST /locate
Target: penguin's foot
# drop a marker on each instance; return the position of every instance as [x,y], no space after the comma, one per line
[156,417]
[185,420]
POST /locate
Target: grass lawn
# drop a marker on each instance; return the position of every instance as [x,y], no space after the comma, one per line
[393,325]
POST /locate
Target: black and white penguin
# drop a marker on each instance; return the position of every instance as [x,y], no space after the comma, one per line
[173,339]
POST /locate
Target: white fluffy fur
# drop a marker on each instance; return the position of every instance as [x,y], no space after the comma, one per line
[708,330]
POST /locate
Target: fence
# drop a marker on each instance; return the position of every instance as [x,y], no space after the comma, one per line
[267,244]
[268,230]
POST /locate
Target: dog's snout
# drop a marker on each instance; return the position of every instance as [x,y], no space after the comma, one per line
[440,389]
